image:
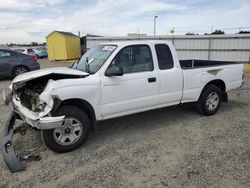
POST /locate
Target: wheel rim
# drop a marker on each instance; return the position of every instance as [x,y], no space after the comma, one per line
[20,70]
[212,101]
[70,133]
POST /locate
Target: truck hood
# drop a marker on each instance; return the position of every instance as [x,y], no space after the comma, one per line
[43,72]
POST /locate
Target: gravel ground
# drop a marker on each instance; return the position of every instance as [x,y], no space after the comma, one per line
[169,147]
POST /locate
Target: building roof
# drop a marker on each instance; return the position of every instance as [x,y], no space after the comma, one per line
[66,33]
[63,33]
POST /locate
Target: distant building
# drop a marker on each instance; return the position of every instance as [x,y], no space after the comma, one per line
[84,42]
[63,45]
[234,47]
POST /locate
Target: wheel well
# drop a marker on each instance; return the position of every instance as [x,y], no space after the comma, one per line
[221,84]
[19,66]
[218,83]
[84,106]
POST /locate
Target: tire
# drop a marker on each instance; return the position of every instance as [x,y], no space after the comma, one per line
[19,70]
[66,139]
[210,100]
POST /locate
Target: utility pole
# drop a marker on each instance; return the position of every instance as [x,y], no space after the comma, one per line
[155,24]
[80,48]
[209,43]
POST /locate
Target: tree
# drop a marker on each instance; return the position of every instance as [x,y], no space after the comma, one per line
[34,44]
[189,33]
[218,32]
[244,32]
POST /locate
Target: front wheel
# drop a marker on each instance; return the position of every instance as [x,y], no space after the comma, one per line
[210,100]
[73,134]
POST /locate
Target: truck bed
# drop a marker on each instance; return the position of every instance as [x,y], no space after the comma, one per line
[196,63]
[197,73]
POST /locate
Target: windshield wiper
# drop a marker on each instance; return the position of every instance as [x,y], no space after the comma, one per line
[87,65]
[75,64]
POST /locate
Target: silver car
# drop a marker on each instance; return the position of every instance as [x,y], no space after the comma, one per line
[13,63]
[40,53]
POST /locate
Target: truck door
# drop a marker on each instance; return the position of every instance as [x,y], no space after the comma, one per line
[137,89]
[170,76]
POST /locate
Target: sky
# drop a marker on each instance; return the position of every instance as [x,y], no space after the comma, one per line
[24,21]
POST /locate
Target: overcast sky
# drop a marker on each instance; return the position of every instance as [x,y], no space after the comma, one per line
[24,21]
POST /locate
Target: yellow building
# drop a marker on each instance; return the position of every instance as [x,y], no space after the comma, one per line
[62,45]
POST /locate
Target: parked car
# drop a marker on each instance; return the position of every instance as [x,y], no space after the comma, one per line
[29,51]
[109,81]
[13,63]
[42,48]
[18,50]
[40,53]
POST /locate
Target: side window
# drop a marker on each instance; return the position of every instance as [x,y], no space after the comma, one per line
[136,58]
[164,56]
[4,54]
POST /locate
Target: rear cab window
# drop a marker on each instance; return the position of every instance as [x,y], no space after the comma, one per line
[164,56]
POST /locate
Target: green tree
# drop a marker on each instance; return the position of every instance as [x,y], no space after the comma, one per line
[34,44]
[218,32]
[244,32]
[189,33]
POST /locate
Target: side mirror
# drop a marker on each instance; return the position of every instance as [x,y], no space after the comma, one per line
[114,71]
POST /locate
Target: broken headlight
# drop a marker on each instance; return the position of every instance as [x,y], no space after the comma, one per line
[40,107]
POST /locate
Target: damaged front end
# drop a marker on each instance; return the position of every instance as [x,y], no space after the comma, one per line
[33,102]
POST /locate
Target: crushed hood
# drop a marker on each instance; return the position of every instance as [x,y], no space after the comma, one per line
[43,72]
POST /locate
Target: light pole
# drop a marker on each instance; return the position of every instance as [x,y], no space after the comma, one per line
[155,24]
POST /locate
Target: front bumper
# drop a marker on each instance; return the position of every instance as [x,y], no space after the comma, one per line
[47,122]
[20,112]
[35,120]
[9,155]
[8,150]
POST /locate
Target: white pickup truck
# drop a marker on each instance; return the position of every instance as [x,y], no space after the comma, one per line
[109,81]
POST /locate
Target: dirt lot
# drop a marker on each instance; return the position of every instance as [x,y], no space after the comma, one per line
[169,147]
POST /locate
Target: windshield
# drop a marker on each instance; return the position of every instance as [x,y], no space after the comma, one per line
[94,58]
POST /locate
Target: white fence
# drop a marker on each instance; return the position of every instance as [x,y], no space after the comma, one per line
[208,47]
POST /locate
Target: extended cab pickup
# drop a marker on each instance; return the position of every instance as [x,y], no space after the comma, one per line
[112,80]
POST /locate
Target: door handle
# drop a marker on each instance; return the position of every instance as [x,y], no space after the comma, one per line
[153,79]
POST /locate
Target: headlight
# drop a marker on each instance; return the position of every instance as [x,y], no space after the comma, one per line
[7,94]
[41,106]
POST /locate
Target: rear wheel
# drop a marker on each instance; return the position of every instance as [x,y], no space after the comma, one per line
[210,100]
[19,70]
[72,135]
